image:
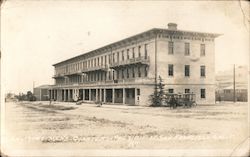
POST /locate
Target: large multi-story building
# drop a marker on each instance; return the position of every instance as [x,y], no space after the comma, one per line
[126,71]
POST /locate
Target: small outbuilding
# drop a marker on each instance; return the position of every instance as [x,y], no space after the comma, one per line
[227,93]
[42,92]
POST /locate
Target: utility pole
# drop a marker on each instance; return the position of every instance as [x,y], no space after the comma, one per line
[156,63]
[234,82]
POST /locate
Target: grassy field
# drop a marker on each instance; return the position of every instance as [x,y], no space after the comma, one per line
[66,126]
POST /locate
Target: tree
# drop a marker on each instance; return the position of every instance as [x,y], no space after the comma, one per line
[30,96]
[26,97]
[157,97]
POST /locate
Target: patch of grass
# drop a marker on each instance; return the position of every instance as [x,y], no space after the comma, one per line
[57,107]
[106,121]
[37,109]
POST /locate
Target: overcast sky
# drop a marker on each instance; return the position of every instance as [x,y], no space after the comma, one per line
[37,34]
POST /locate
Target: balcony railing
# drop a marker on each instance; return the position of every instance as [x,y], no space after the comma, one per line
[95,68]
[58,76]
[138,60]
[109,82]
[79,72]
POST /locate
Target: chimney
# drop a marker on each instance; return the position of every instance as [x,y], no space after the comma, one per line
[172,26]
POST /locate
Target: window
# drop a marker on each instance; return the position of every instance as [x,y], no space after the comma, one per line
[117,73]
[187,49]
[122,73]
[139,51]
[113,75]
[203,71]
[187,70]
[133,52]
[113,57]
[94,76]
[146,71]
[170,70]
[122,55]
[146,51]
[139,72]
[127,53]
[203,93]
[118,56]
[203,50]
[109,59]
[138,92]
[170,47]
[171,90]
[133,72]
[187,90]
[105,60]
[109,75]
[127,73]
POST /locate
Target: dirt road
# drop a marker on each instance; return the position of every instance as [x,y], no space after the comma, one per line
[66,126]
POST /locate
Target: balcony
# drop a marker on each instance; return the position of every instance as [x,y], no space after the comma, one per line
[132,61]
[134,81]
[96,68]
[58,76]
[79,72]
[108,83]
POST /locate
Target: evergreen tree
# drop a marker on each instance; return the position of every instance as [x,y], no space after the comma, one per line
[157,97]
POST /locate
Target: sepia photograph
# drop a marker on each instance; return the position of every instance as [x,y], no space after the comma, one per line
[124,78]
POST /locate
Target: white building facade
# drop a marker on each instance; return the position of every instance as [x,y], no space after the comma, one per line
[125,72]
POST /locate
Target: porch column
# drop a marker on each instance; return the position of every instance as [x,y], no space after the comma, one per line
[100,93]
[49,94]
[96,95]
[65,95]
[136,99]
[113,95]
[104,95]
[123,95]
[57,94]
[53,94]
[89,94]
[62,95]
[68,94]
[83,94]
[73,93]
